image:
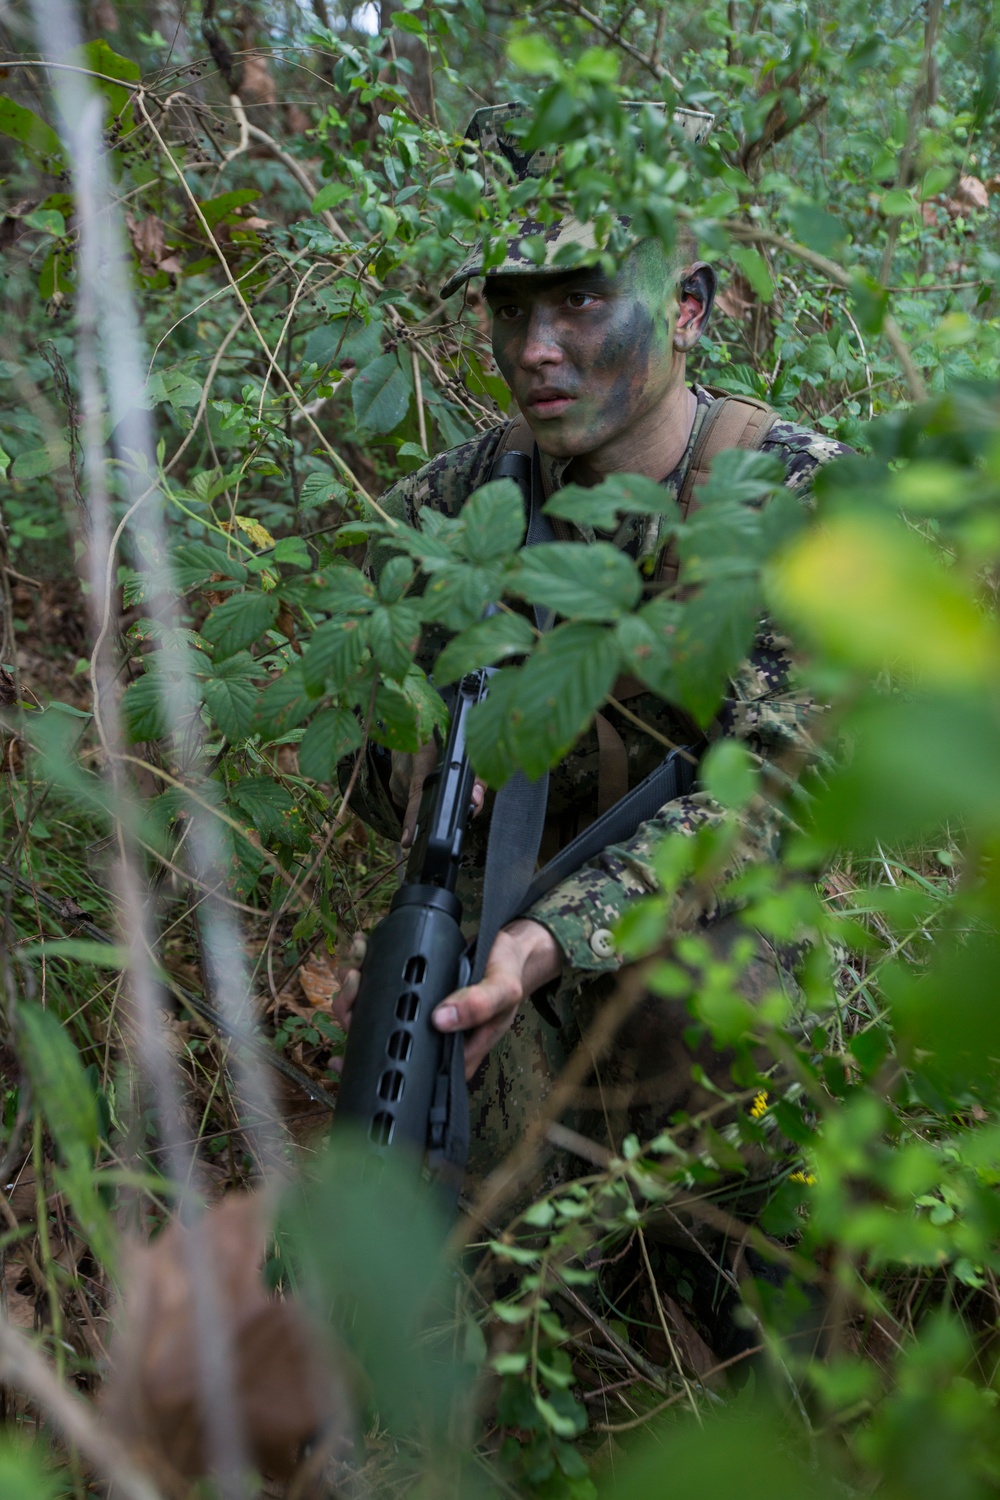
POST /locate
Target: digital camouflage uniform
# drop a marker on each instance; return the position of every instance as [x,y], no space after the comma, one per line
[648,1075]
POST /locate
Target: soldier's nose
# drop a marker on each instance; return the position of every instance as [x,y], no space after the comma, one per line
[540,347]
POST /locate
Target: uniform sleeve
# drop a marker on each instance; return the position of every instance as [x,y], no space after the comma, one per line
[772,715]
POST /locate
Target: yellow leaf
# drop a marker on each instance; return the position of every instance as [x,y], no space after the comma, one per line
[870,592]
[258,534]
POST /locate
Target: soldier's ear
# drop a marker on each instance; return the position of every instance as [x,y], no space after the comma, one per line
[696,287]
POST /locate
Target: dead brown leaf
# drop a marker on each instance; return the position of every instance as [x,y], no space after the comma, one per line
[148,237]
[285,1390]
[319,979]
[970,194]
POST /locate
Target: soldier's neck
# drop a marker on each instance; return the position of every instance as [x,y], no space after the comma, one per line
[654,445]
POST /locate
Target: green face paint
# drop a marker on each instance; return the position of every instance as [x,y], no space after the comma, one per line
[586,356]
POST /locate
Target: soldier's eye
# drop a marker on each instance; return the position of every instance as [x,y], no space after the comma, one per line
[506,311]
[580,299]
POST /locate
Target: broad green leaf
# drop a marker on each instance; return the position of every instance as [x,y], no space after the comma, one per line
[342,590]
[293,551]
[817,228]
[406,715]
[143,708]
[482,645]
[49,220]
[533,54]
[331,735]
[332,194]
[492,522]
[60,1085]
[871,593]
[458,595]
[380,394]
[541,708]
[595,582]
[197,563]
[265,802]
[284,703]
[39,139]
[321,489]
[240,620]
[231,695]
[727,773]
[755,269]
[739,475]
[602,505]
[334,653]
[713,636]
[221,207]
[393,633]
[84,950]
[646,642]
[39,461]
[395,579]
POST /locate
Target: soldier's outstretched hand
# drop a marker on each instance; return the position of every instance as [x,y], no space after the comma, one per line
[524,956]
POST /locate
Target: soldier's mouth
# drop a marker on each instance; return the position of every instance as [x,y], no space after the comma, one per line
[549,402]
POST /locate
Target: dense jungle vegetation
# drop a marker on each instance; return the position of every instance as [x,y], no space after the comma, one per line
[223,230]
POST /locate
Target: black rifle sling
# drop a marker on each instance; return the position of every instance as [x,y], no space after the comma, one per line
[511,855]
[519,810]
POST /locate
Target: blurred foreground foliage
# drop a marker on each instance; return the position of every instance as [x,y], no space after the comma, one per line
[293,190]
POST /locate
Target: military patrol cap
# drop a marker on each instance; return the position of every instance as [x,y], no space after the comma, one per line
[490,129]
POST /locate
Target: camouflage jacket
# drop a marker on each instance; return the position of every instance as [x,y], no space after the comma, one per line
[764,708]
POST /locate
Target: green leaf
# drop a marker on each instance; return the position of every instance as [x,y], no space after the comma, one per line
[899,203]
[380,395]
[482,644]
[332,734]
[343,590]
[817,228]
[48,220]
[755,269]
[395,579]
[332,194]
[739,476]
[197,562]
[533,715]
[713,637]
[601,505]
[393,634]
[25,1471]
[224,206]
[143,708]
[265,802]
[334,654]
[231,695]
[293,551]
[493,522]
[39,461]
[407,715]
[533,54]
[60,1084]
[284,703]
[321,489]
[727,774]
[84,950]
[595,582]
[39,139]
[458,595]
[240,620]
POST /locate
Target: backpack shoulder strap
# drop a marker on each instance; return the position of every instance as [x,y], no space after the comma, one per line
[730,422]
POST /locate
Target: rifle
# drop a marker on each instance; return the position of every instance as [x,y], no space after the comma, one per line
[403,1082]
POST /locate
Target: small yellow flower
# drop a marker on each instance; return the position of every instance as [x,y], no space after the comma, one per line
[758,1108]
[806,1178]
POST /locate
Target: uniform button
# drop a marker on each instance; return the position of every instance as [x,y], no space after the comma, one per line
[603,943]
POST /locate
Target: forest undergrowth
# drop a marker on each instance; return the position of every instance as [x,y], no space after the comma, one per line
[223,231]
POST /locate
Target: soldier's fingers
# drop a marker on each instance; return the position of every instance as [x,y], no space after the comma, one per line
[478,796]
[478,1004]
[342,1003]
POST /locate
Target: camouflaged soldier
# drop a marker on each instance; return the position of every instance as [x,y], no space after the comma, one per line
[597,366]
